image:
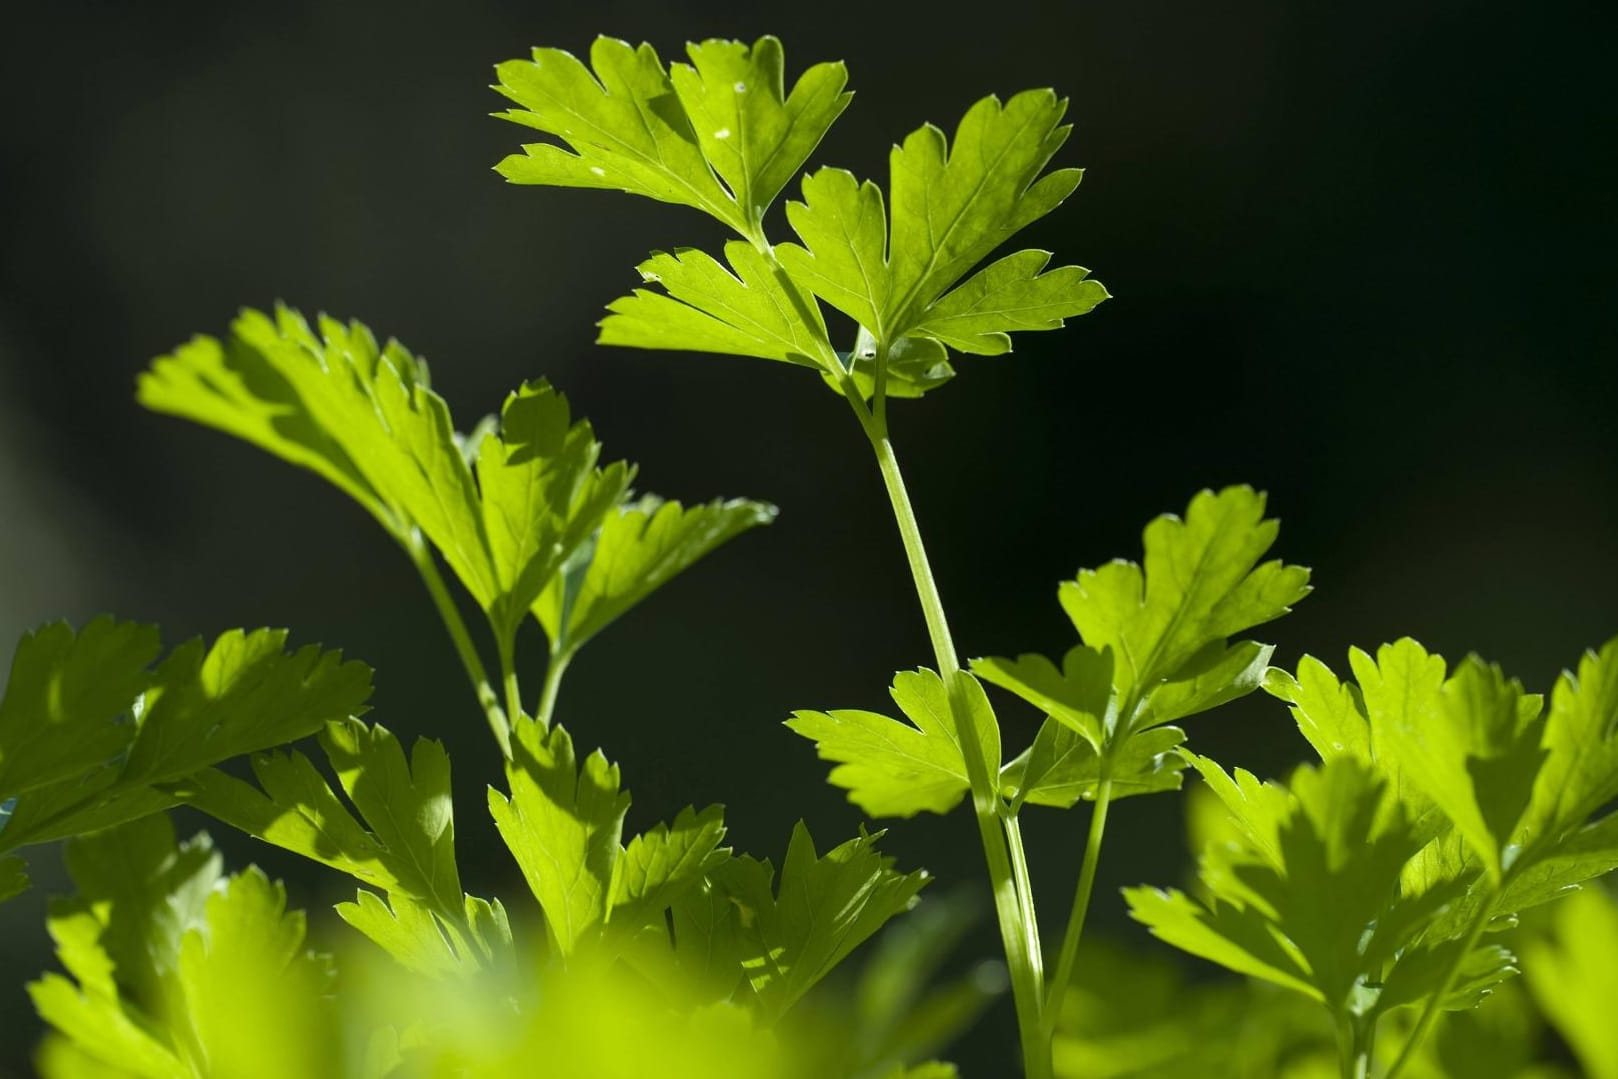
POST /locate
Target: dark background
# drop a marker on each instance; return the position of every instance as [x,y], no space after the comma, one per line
[1362,255]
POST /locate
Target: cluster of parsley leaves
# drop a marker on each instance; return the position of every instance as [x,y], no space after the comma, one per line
[1444,805]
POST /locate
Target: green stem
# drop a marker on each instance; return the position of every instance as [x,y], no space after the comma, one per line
[505,645]
[1355,1037]
[422,559]
[553,685]
[1081,903]
[1016,917]
[1025,887]
[1429,1014]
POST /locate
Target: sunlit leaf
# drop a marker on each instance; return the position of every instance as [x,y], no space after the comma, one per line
[896,769]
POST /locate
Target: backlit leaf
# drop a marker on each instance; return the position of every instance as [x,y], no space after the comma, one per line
[896,769]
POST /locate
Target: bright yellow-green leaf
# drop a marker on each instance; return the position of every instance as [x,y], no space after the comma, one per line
[746,309]
[952,205]
[1319,911]
[562,823]
[1010,294]
[541,495]
[1202,583]
[754,134]
[624,125]
[896,769]
[639,548]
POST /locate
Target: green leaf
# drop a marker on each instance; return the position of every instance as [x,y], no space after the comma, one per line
[253,995]
[75,807]
[542,495]
[1236,938]
[745,310]
[895,769]
[1422,972]
[243,694]
[1581,736]
[658,867]
[408,806]
[951,207]
[754,134]
[1470,743]
[638,550]
[1256,810]
[624,125]
[1078,696]
[844,229]
[1214,676]
[297,811]
[406,847]
[1319,910]
[87,1012]
[147,891]
[562,823]
[204,705]
[66,700]
[1330,713]
[426,942]
[1010,294]
[361,414]
[1583,855]
[1400,685]
[1062,767]
[822,909]
[1574,980]
[234,387]
[1202,583]
[710,940]
[120,940]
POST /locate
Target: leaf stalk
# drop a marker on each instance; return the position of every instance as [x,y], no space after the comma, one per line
[1081,904]
[422,558]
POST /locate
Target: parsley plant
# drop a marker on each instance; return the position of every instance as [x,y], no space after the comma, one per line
[1366,892]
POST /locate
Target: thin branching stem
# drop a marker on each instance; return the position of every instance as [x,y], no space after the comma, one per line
[421,557]
[1081,905]
[552,686]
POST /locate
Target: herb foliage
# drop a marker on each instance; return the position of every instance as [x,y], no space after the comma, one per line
[1365,896]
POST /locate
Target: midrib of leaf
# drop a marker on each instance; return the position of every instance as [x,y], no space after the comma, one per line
[977,189]
[431,878]
[743,321]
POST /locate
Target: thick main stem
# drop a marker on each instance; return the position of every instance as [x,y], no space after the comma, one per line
[1435,1003]
[1015,914]
[422,559]
[1081,906]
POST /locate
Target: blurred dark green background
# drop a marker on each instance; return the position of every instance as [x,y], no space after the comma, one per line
[1363,258]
